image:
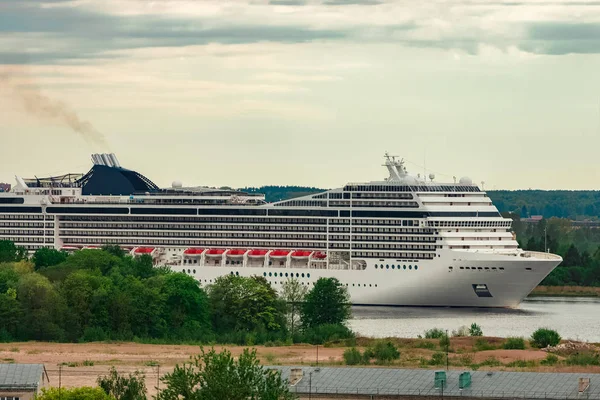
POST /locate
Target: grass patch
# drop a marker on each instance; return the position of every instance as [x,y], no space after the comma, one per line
[483,345]
[466,359]
[9,360]
[514,343]
[423,344]
[551,359]
[88,363]
[270,357]
[491,362]
[522,364]
[34,351]
[151,363]
[583,359]
[14,350]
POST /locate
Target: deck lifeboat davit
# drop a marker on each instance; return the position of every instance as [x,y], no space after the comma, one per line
[301,254]
[257,253]
[279,253]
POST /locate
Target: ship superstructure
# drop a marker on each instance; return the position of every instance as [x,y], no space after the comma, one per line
[404,240]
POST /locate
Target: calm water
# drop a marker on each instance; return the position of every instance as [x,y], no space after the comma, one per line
[574,318]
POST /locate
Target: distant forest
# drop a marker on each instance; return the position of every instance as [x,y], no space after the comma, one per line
[574,205]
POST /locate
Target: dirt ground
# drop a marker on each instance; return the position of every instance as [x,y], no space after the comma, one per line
[83,363]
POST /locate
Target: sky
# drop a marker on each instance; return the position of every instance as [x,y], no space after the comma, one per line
[303,92]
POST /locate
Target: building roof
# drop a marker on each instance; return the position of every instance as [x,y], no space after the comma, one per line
[20,376]
[388,381]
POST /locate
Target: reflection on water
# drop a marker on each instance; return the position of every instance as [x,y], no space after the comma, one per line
[574,318]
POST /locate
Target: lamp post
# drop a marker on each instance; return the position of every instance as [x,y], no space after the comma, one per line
[309,385]
[447,346]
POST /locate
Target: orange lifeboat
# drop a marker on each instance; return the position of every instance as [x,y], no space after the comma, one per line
[236,253]
[301,254]
[214,252]
[144,250]
[279,253]
[257,253]
[319,255]
[193,252]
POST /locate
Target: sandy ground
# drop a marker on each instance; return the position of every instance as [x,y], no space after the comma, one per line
[155,359]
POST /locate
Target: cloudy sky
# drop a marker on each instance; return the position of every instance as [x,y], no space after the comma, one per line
[309,92]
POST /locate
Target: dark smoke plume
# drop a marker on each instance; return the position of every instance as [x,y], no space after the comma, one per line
[35,103]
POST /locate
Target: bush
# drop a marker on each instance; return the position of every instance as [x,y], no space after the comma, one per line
[385,352]
[475,330]
[80,393]
[352,356]
[438,359]
[544,337]
[550,359]
[434,333]
[93,334]
[482,345]
[521,364]
[444,341]
[583,359]
[514,343]
[325,333]
[491,362]
[421,344]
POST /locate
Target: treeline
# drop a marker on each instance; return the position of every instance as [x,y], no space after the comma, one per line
[278,193]
[579,247]
[570,204]
[96,295]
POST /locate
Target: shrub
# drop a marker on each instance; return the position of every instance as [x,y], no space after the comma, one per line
[438,359]
[583,359]
[352,356]
[326,333]
[422,344]
[544,337]
[79,393]
[385,352]
[88,363]
[491,362]
[521,364]
[93,334]
[444,341]
[434,333]
[482,345]
[475,330]
[514,343]
[466,359]
[550,359]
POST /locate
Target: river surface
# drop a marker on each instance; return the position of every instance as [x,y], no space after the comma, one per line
[575,318]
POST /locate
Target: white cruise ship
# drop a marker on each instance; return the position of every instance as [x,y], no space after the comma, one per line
[403,241]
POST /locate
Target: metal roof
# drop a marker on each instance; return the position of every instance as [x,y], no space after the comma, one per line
[388,381]
[20,376]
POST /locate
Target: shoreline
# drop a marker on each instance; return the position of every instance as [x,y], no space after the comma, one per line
[565,291]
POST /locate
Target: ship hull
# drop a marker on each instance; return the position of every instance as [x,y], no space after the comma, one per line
[503,280]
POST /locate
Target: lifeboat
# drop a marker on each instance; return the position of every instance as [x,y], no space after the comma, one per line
[144,250]
[301,254]
[91,248]
[69,248]
[214,252]
[279,253]
[192,252]
[236,253]
[319,255]
[257,253]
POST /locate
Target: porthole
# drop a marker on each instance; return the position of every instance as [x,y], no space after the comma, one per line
[308,275]
[237,273]
[375,285]
[387,267]
[393,266]
[416,267]
[297,275]
[230,273]
[410,267]
[303,274]
[353,284]
[404,266]
[280,274]
[270,274]
[375,266]
[189,271]
[194,271]
[264,274]
[286,274]
[369,285]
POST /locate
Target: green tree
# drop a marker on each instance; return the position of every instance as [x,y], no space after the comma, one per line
[293,293]
[544,337]
[114,249]
[10,253]
[10,313]
[475,330]
[120,387]
[78,393]
[572,258]
[46,257]
[212,375]
[248,304]
[43,308]
[327,302]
